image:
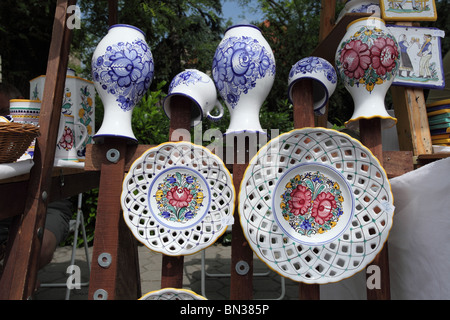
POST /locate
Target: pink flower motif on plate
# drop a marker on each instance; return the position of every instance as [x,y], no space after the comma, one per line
[179,197]
[300,200]
[312,203]
[323,206]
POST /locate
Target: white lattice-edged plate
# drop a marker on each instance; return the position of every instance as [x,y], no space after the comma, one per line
[178,198]
[172,294]
[315,205]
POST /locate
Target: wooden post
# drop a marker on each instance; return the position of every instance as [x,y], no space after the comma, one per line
[241,283]
[115,269]
[180,124]
[112,12]
[370,137]
[20,273]
[302,100]
[327,23]
[412,126]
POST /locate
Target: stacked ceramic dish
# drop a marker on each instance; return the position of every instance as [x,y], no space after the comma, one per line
[439,122]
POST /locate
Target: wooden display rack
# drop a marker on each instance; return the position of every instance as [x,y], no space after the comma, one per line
[115,267]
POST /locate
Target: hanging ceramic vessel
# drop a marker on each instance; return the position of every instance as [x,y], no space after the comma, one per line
[199,88]
[367,60]
[361,6]
[323,77]
[122,71]
[243,71]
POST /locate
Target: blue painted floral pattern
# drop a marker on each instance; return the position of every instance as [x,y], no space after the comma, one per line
[314,64]
[237,64]
[125,71]
[187,77]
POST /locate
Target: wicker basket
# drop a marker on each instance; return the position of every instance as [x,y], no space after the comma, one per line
[15,138]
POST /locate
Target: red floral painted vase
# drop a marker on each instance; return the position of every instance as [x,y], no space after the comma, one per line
[367,61]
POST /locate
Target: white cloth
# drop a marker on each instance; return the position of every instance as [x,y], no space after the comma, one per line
[9,170]
[419,241]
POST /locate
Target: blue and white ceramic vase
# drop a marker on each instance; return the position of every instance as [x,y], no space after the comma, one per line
[323,77]
[243,71]
[122,71]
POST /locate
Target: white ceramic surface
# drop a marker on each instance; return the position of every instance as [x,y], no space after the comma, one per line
[178,198]
[315,205]
[78,100]
[200,89]
[323,76]
[172,294]
[361,6]
[68,143]
[243,71]
[122,71]
[26,111]
[367,61]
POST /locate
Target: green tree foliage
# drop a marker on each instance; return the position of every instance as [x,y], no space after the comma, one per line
[25,34]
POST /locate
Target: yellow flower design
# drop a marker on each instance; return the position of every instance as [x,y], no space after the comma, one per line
[159,195]
[289,185]
[89,102]
[81,113]
[68,94]
[199,197]
[370,87]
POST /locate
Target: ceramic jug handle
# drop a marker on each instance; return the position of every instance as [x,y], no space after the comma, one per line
[218,117]
[83,137]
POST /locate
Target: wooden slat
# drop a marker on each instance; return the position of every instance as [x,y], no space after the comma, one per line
[327,23]
[63,186]
[20,274]
[94,156]
[370,136]
[412,126]
[396,163]
[121,278]
[172,266]
[302,100]
[241,284]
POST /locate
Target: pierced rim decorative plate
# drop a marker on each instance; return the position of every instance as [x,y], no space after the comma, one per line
[172,294]
[315,205]
[178,198]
